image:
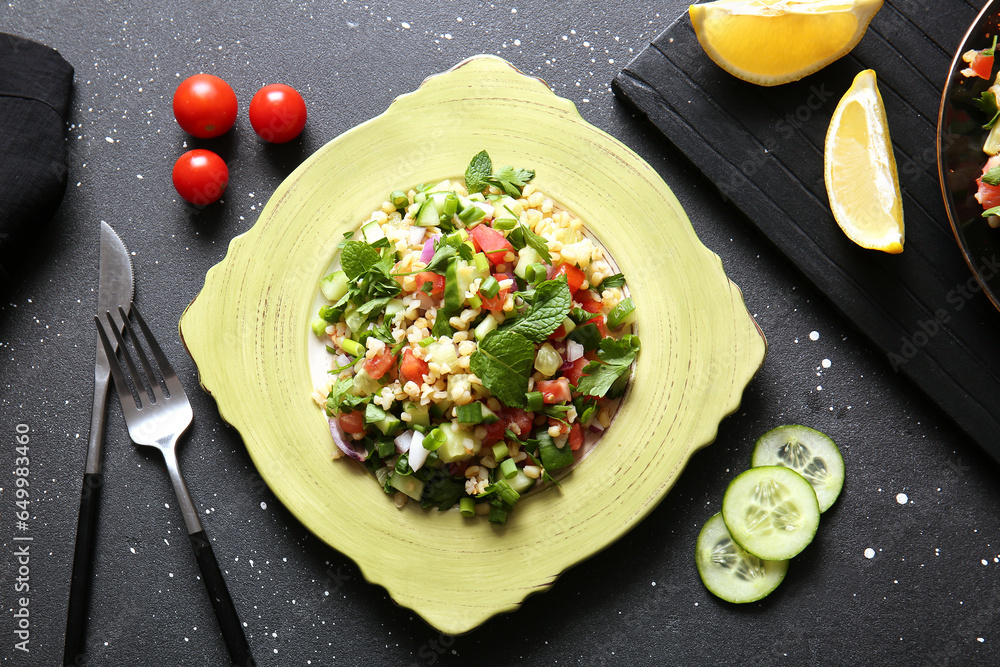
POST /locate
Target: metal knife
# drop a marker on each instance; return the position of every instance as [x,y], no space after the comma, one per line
[114,290]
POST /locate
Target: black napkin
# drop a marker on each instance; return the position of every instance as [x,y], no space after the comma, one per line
[35,86]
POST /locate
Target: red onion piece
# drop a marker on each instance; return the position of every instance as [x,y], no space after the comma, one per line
[428,252]
[574,350]
[353,449]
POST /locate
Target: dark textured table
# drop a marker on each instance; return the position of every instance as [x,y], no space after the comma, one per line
[903,570]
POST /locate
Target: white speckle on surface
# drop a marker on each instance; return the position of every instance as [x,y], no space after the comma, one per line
[901,498]
[980,639]
[813,335]
[826,363]
[984,562]
[263,505]
[869,553]
[132,549]
[653,583]
[406,26]
[109,140]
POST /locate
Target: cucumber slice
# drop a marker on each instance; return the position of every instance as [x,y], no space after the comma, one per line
[728,571]
[808,452]
[771,511]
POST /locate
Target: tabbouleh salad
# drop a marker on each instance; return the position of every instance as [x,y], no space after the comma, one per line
[477,337]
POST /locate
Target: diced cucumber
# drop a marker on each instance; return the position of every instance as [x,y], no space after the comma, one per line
[443,186]
[457,444]
[427,216]
[521,482]
[525,257]
[408,484]
[394,306]
[809,452]
[372,231]
[419,414]
[334,286]
[728,571]
[623,313]
[771,511]
[365,384]
[389,425]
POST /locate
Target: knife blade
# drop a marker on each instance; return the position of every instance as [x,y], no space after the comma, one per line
[114,289]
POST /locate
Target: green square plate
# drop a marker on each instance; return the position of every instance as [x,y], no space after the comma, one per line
[248,331]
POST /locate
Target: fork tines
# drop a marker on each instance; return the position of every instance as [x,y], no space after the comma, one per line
[154,384]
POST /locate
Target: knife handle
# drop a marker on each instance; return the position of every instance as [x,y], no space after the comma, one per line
[225,611]
[79,588]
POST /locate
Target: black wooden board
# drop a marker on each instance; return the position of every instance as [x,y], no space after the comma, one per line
[763,149]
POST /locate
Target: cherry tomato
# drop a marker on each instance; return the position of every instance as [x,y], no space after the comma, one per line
[277,113]
[200,177]
[205,106]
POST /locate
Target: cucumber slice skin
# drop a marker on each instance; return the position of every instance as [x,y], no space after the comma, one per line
[771,511]
[811,453]
[728,571]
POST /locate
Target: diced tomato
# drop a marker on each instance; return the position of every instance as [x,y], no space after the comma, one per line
[554,391]
[558,333]
[412,369]
[495,304]
[380,363]
[575,437]
[589,301]
[517,416]
[979,64]
[437,282]
[573,370]
[490,241]
[352,422]
[601,322]
[494,432]
[574,276]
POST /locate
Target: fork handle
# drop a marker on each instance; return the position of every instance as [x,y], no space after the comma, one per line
[79,589]
[229,620]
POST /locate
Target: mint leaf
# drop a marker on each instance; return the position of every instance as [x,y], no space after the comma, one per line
[503,362]
[357,258]
[992,177]
[617,280]
[551,304]
[439,262]
[478,172]
[511,180]
[609,376]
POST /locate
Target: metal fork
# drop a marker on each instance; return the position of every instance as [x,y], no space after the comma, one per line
[157,420]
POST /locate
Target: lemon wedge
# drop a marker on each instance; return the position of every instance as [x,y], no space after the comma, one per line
[860,169]
[770,42]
